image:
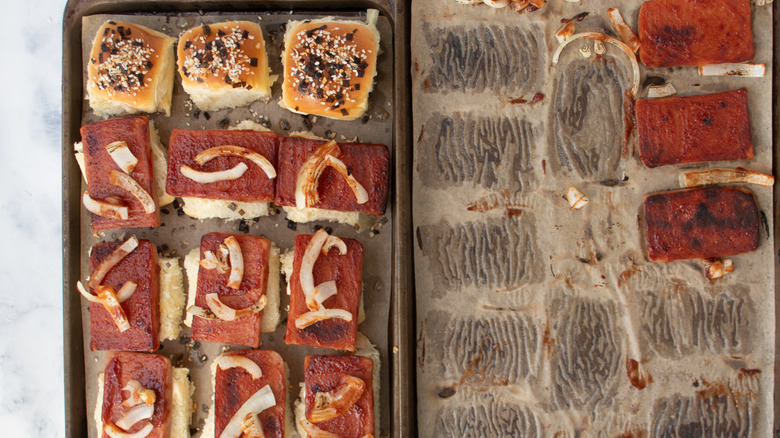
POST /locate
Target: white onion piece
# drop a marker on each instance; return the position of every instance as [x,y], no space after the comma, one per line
[126,291]
[322,292]
[251,427]
[227,361]
[360,192]
[236,151]
[306,184]
[211,177]
[332,404]
[109,262]
[109,300]
[124,181]
[91,298]
[122,156]
[664,90]
[332,241]
[236,263]
[260,401]
[621,28]
[698,178]
[576,199]
[598,36]
[135,414]
[111,210]
[498,4]
[315,432]
[565,32]
[78,152]
[307,263]
[138,394]
[218,262]
[719,268]
[219,310]
[115,432]
[743,70]
[306,319]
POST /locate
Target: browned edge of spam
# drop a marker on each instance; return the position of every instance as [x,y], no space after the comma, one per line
[402,318]
[775,168]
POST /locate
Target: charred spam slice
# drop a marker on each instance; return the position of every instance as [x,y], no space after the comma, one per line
[153,373]
[345,270]
[244,330]
[709,127]
[695,32]
[234,386]
[328,375]
[254,185]
[134,131]
[369,164]
[702,223]
[142,308]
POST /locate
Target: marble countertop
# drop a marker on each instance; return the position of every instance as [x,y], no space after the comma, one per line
[31,364]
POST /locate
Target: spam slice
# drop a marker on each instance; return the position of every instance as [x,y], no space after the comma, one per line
[695,32]
[226,310]
[701,223]
[346,384]
[137,395]
[141,308]
[367,164]
[197,159]
[119,173]
[691,129]
[241,375]
[330,322]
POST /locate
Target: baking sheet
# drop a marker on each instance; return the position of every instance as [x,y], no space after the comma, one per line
[535,320]
[180,233]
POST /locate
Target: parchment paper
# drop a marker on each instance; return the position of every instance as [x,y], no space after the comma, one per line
[531,316]
[179,233]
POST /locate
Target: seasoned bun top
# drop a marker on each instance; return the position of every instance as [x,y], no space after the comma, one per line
[329,67]
[225,55]
[126,62]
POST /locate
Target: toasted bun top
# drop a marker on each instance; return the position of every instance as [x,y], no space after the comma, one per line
[125,61]
[329,66]
[223,55]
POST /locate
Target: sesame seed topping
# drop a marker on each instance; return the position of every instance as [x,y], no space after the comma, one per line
[123,62]
[218,55]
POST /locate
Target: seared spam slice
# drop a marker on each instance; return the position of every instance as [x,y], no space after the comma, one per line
[329,374]
[142,308]
[234,386]
[695,32]
[691,129]
[134,131]
[369,164]
[254,185]
[153,373]
[346,271]
[244,330]
[701,223]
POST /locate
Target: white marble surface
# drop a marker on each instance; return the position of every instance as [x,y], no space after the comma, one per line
[31,366]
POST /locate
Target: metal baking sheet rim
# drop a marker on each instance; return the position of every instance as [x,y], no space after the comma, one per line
[401,334]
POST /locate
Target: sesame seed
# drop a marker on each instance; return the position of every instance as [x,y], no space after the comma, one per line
[122,63]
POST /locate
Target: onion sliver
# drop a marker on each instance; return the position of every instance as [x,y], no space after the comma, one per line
[236,151]
[78,152]
[576,199]
[306,319]
[219,310]
[307,264]
[260,401]
[135,414]
[109,262]
[138,394]
[124,181]
[211,177]
[122,156]
[226,361]
[251,427]
[111,303]
[306,183]
[360,192]
[743,70]
[604,38]
[322,292]
[698,178]
[91,298]
[621,28]
[332,241]
[313,431]
[104,208]
[664,90]
[126,291]
[236,263]
[115,432]
[332,404]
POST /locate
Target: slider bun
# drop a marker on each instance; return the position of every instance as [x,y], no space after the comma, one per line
[312,85]
[233,71]
[131,71]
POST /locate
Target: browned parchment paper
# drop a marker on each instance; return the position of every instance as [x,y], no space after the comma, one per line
[535,320]
[179,234]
